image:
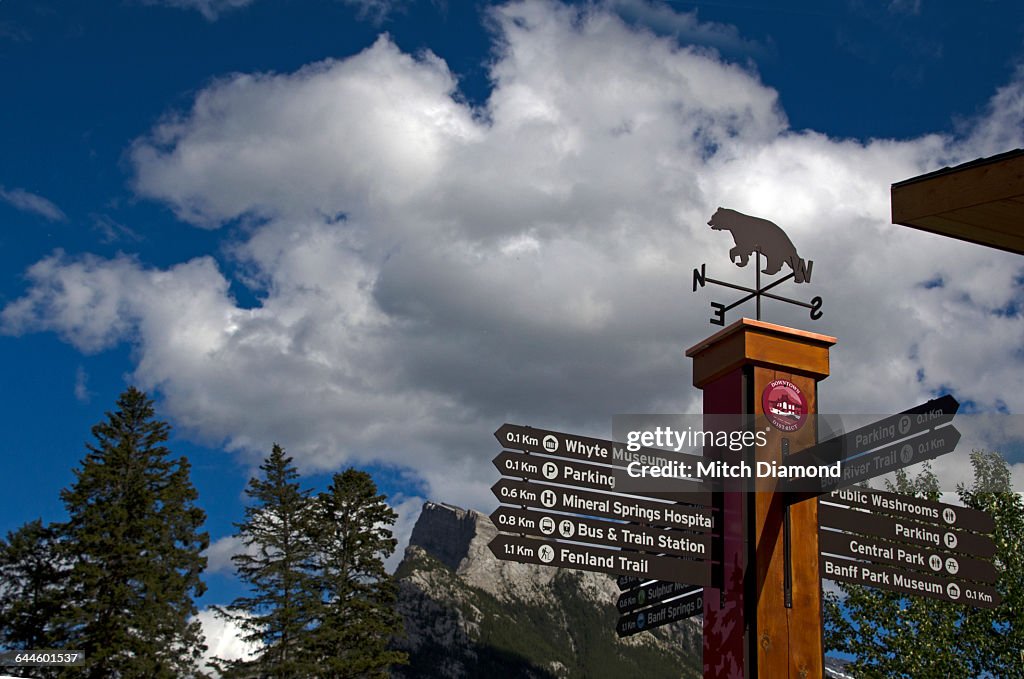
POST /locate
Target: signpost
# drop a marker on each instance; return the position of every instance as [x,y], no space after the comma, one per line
[567,504]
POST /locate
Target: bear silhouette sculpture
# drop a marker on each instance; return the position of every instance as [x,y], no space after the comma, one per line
[753,234]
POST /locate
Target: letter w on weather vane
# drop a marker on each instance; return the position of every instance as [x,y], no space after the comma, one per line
[765,240]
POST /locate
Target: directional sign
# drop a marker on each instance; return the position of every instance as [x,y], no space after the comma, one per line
[908,532]
[922,447]
[916,584]
[678,609]
[652,593]
[628,582]
[920,418]
[585,448]
[924,559]
[589,503]
[910,507]
[585,475]
[595,531]
[584,558]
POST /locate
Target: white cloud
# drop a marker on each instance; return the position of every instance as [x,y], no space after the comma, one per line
[427,270]
[408,510]
[82,393]
[223,640]
[30,202]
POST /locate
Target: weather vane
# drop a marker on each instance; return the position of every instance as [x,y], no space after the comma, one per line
[761,238]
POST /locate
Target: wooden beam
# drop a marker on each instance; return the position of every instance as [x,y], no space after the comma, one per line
[979,202]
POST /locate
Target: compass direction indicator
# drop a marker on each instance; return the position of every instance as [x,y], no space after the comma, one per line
[763,239]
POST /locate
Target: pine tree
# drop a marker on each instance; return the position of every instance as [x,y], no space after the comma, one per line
[358,618]
[33,579]
[896,636]
[277,566]
[134,543]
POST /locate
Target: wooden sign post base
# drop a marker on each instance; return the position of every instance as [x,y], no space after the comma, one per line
[765,620]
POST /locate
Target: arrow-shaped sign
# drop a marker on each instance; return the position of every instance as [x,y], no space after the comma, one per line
[920,418]
[917,584]
[678,609]
[595,531]
[589,503]
[853,546]
[905,531]
[585,448]
[598,559]
[909,507]
[924,446]
[628,582]
[592,476]
[651,593]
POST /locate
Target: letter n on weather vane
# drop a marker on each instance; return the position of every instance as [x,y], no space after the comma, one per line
[768,244]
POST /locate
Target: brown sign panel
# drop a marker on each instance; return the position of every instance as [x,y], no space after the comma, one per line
[652,593]
[584,448]
[923,447]
[595,531]
[590,503]
[913,421]
[598,559]
[915,508]
[583,475]
[678,609]
[901,554]
[628,582]
[910,583]
[907,532]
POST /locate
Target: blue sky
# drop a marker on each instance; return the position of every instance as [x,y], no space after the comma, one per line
[373,231]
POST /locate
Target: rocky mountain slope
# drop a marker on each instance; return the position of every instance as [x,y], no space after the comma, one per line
[468,614]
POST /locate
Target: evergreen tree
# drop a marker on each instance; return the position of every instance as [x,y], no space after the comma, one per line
[277,565]
[357,616]
[890,635]
[33,578]
[134,544]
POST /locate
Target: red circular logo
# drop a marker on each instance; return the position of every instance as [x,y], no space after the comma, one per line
[784,405]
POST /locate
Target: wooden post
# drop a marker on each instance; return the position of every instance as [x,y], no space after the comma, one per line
[763,622]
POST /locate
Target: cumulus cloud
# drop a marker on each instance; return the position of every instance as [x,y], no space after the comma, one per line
[428,270]
[30,202]
[223,640]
